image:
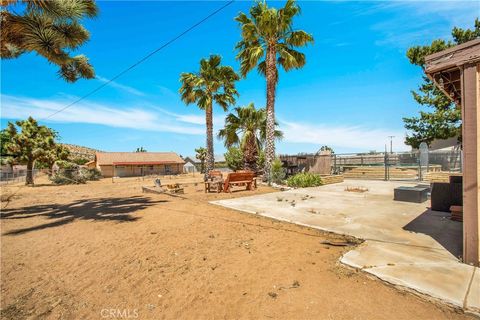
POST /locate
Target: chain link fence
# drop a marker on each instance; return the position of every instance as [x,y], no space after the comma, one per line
[414,166]
[9,177]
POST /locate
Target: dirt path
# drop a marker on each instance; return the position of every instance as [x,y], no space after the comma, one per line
[107,251]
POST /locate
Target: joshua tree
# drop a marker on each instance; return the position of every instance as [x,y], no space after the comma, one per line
[214,83]
[32,142]
[201,154]
[268,41]
[59,152]
[246,128]
[51,28]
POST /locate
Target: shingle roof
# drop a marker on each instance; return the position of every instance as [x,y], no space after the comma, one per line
[109,158]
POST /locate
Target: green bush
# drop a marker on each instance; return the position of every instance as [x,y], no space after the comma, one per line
[277,171]
[234,158]
[304,180]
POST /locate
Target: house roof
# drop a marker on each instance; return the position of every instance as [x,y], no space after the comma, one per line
[218,158]
[190,160]
[146,158]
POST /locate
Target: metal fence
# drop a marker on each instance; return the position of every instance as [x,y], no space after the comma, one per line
[378,165]
[397,165]
[7,177]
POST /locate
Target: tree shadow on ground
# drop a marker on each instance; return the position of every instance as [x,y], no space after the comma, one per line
[438,225]
[106,209]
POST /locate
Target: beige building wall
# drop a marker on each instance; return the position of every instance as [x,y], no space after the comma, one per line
[107,171]
[139,170]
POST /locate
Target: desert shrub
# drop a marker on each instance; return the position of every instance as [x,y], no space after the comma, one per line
[234,158]
[277,171]
[91,174]
[66,165]
[304,180]
[68,176]
[69,173]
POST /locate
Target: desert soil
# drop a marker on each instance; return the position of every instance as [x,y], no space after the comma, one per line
[105,250]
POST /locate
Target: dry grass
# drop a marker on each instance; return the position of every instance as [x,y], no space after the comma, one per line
[69,252]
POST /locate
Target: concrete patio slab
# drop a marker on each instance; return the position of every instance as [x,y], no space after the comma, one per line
[472,301]
[419,269]
[406,244]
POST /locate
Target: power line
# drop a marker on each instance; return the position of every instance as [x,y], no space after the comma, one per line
[141,60]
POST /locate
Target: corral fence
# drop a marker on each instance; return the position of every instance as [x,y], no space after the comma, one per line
[16,176]
[21,175]
[415,165]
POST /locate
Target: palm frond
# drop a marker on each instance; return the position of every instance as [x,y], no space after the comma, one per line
[290,58]
[298,38]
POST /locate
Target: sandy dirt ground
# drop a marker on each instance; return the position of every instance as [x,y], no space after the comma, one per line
[105,250]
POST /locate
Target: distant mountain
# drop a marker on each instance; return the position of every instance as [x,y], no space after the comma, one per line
[79,152]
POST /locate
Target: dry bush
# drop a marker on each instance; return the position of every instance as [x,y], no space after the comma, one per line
[356,189]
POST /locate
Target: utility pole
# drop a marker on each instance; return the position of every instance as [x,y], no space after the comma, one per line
[391,138]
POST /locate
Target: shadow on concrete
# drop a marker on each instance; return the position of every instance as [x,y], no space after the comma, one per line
[437,224]
[113,209]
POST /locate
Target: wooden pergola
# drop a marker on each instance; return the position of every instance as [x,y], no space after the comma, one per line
[456,71]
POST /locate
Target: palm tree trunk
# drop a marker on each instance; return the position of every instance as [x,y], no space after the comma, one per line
[29,177]
[210,159]
[271,73]
[250,154]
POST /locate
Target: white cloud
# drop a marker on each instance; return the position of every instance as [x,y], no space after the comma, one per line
[218,120]
[342,137]
[160,120]
[121,86]
[418,22]
[94,113]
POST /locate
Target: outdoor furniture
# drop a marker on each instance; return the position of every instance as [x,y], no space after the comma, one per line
[239,179]
[444,195]
[175,188]
[214,181]
[213,185]
[254,176]
[416,194]
[457,213]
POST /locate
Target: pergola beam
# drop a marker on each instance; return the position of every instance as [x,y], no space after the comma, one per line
[456,71]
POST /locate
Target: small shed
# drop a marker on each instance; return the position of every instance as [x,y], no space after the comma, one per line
[189,166]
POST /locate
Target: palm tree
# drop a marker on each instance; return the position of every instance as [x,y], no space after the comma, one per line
[214,83]
[268,41]
[246,128]
[51,28]
[201,154]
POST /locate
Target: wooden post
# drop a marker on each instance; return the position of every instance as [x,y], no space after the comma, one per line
[471,144]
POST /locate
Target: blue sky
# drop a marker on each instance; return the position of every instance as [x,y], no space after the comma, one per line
[351,95]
